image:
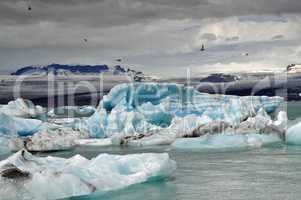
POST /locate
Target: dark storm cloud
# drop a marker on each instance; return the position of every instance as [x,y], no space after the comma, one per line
[54,30]
[123,12]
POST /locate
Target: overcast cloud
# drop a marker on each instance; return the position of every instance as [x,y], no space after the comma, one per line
[141,30]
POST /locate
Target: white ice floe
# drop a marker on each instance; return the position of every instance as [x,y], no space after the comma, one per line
[49,138]
[94,142]
[71,111]
[22,108]
[293,135]
[24,176]
[52,140]
[282,120]
[225,141]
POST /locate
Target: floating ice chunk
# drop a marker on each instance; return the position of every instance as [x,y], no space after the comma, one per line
[49,137]
[24,176]
[225,141]
[282,120]
[293,134]
[53,140]
[22,108]
[18,126]
[155,139]
[63,121]
[260,121]
[94,142]
[71,111]
[133,109]
[164,137]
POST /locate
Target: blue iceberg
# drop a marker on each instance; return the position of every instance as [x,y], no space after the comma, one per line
[15,126]
[24,176]
[140,108]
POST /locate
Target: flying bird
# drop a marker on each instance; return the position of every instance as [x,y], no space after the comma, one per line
[29,8]
[203,48]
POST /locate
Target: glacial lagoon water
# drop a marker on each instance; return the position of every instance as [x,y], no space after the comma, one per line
[267,173]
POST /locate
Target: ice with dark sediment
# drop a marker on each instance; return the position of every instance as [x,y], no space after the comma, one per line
[158,113]
[150,114]
[24,176]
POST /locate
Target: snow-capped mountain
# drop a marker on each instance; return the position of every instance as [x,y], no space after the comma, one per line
[61,69]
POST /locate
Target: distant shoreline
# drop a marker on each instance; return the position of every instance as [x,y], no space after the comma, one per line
[37,88]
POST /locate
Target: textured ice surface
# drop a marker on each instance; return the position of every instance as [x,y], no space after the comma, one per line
[94,142]
[140,108]
[52,178]
[282,120]
[49,137]
[54,140]
[71,111]
[18,126]
[225,141]
[139,114]
[4,145]
[22,108]
[293,135]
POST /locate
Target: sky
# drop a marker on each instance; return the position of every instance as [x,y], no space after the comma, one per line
[158,37]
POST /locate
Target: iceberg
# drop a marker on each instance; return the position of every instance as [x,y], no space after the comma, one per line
[194,126]
[94,142]
[282,120]
[256,131]
[49,137]
[15,126]
[71,111]
[226,141]
[130,110]
[23,108]
[46,140]
[24,176]
[293,135]
[142,114]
